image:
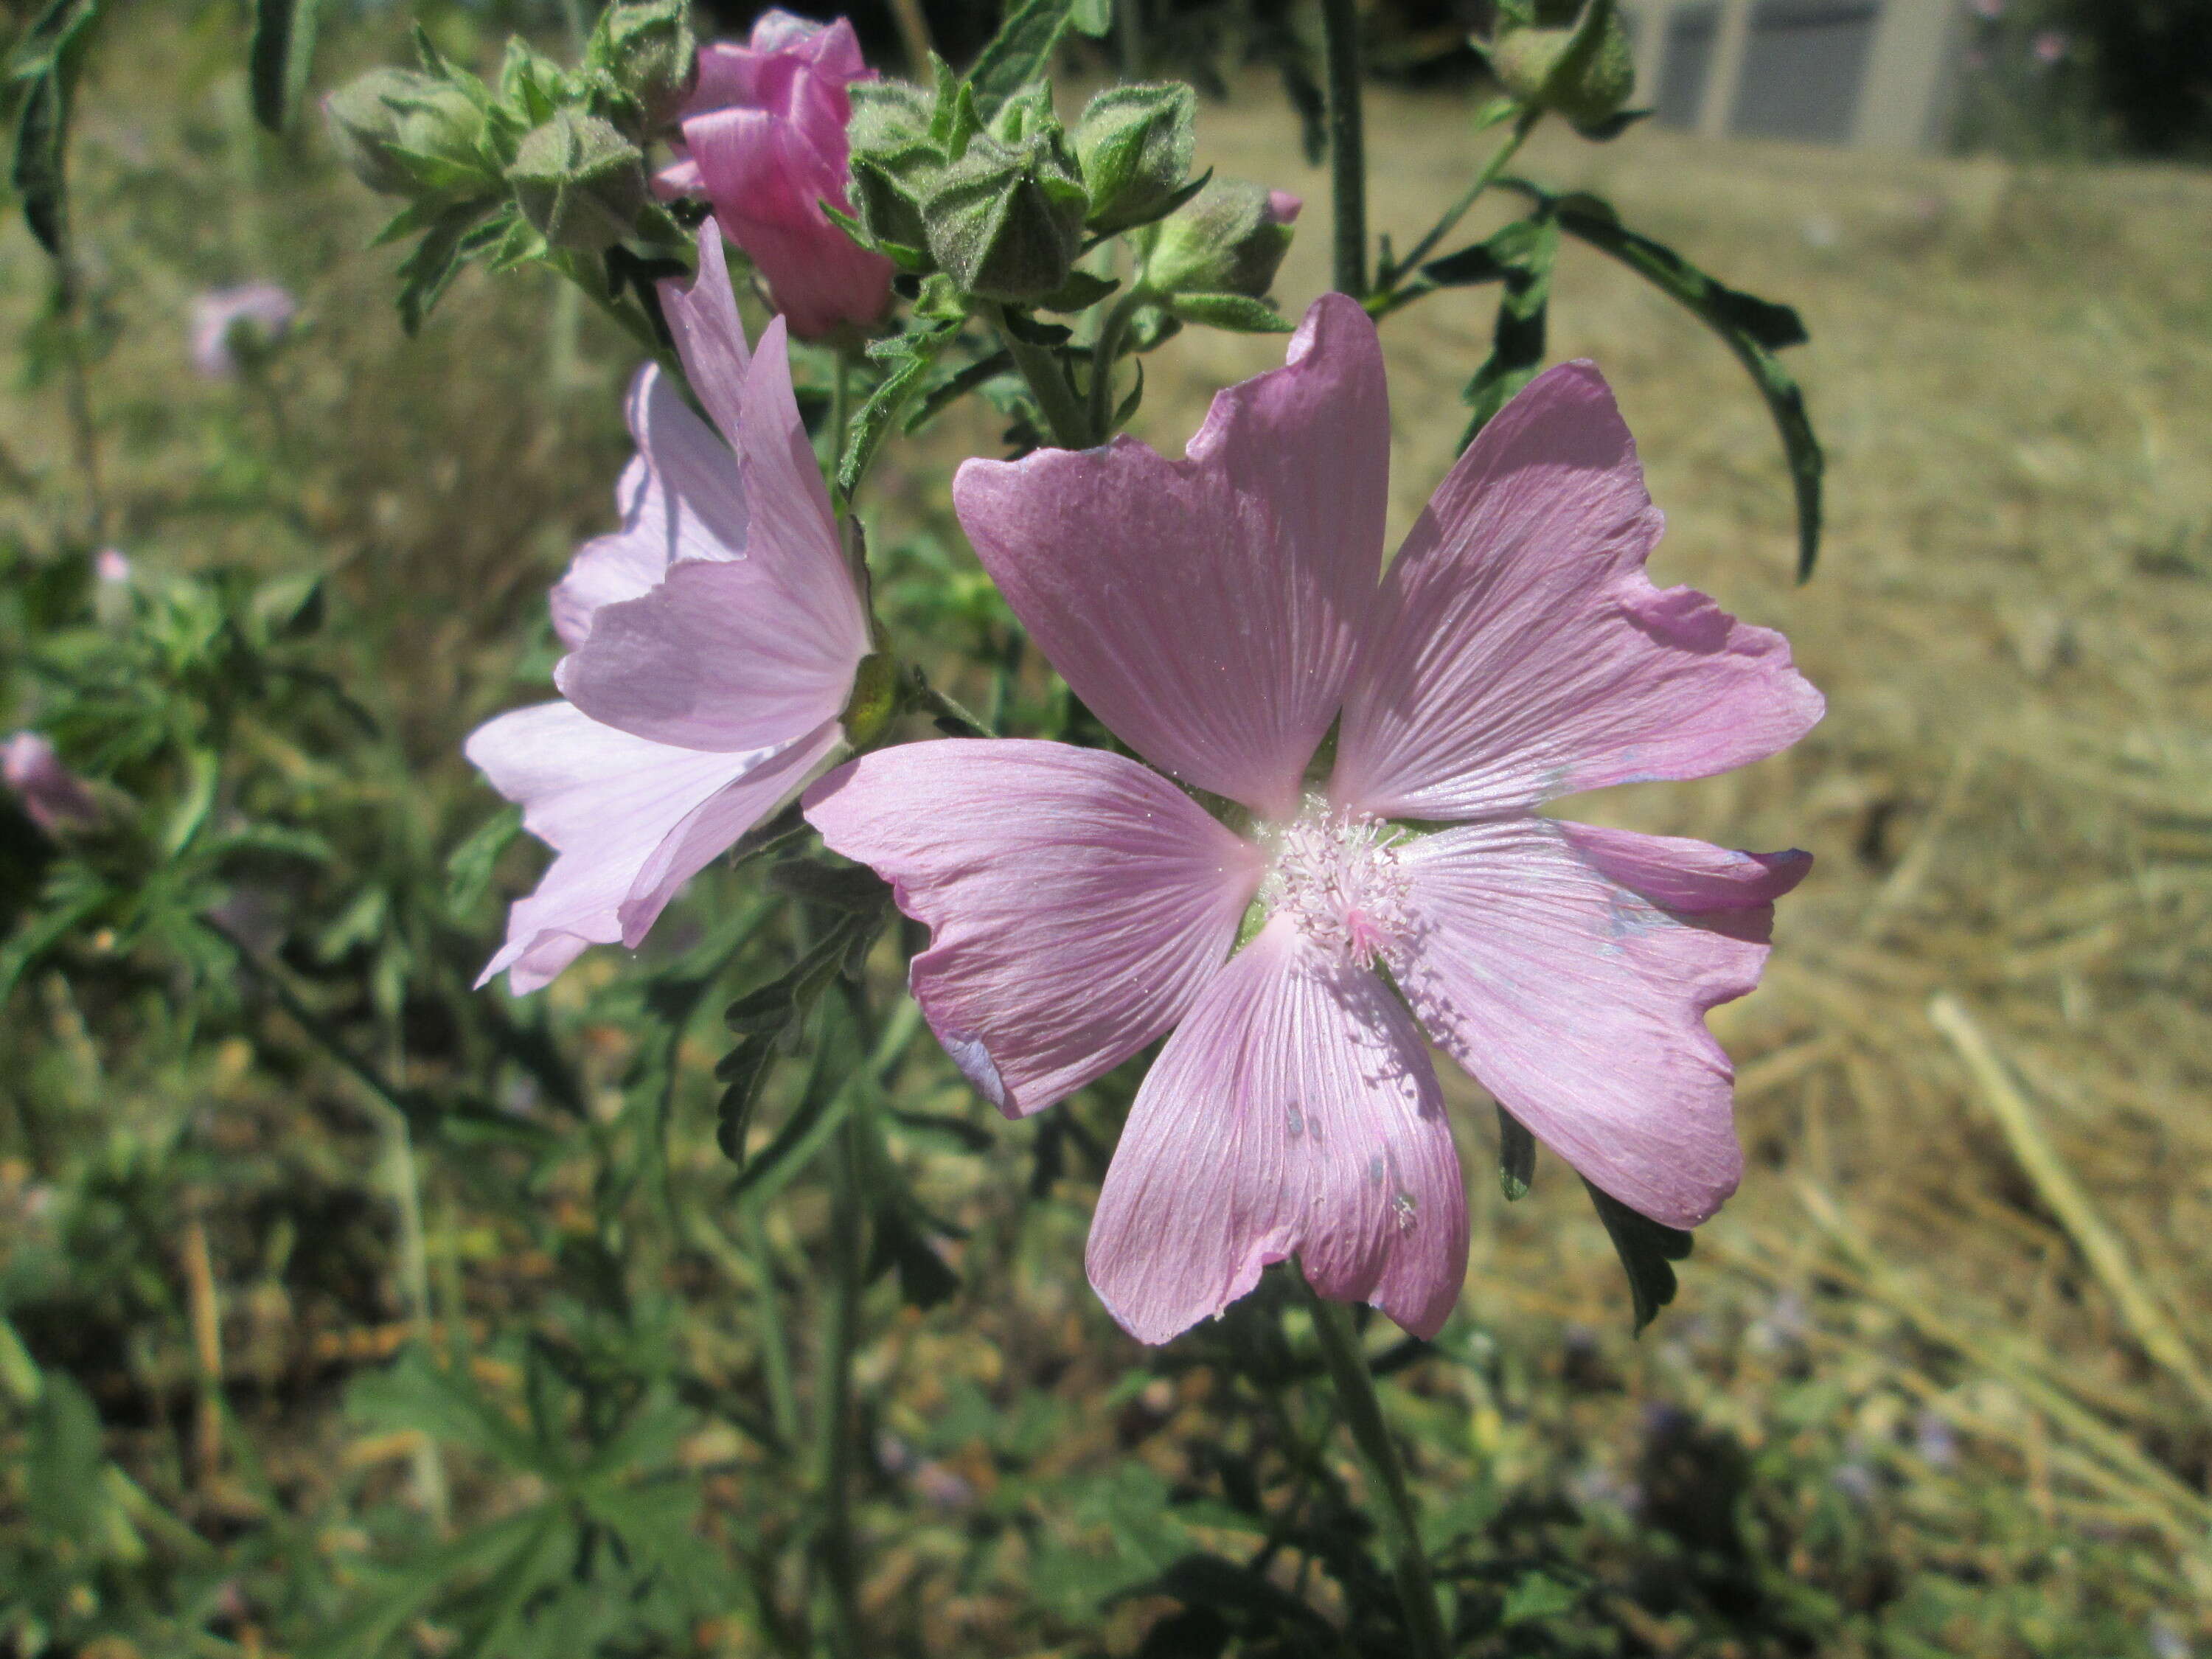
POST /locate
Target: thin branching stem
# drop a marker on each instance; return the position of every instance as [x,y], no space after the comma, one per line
[1388,281]
[1386,1474]
[1065,418]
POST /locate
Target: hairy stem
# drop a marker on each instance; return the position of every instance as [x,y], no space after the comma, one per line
[1103,353]
[1347,144]
[1379,1455]
[834,1410]
[946,708]
[1064,414]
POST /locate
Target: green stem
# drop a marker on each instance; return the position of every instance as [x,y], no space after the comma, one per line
[1064,414]
[775,1346]
[1347,144]
[1388,281]
[832,1424]
[1103,354]
[841,412]
[1378,1453]
[945,707]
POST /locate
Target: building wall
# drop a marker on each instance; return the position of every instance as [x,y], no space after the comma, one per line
[1873,73]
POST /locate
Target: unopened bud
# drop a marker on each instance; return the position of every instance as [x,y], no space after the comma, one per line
[1006,221]
[1229,238]
[579,181]
[1133,145]
[1549,58]
[647,48]
[894,160]
[405,133]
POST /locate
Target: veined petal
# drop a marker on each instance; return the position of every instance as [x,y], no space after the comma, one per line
[794,531]
[711,828]
[1208,610]
[1520,653]
[606,802]
[1077,902]
[718,656]
[1569,969]
[709,337]
[1294,1111]
[661,522]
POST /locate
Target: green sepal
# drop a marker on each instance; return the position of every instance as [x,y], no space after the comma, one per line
[1648,1250]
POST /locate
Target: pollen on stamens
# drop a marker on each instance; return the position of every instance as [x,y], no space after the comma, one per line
[1336,873]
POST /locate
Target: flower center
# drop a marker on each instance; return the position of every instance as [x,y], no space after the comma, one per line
[1335,872]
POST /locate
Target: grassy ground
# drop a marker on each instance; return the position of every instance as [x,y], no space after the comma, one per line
[1935,1382]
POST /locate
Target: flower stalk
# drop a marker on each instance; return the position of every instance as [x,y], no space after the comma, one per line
[1347,145]
[1066,420]
[1386,1472]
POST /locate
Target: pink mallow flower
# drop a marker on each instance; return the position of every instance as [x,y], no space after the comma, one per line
[765,139]
[261,311]
[1221,614]
[713,640]
[55,797]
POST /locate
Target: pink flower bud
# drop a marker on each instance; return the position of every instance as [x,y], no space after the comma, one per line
[55,797]
[1285,208]
[764,140]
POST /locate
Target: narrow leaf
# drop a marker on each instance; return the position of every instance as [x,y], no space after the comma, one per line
[1647,1249]
[745,1069]
[1518,336]
[911,359]
[1239,314]
[1020,53]
[45,65]
[279,57]
[1517,1157]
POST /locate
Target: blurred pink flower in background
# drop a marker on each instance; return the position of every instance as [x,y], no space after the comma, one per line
[713,640]
[112,565]
[1989,9]
[764,139]
[1221,615]
[262,310]
[2051,46]
[55,799]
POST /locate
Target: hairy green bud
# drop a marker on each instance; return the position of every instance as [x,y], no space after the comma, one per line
[647,50]
[1229,238]
[1133,145]
[1547,57]
[579,181]
[408,133]
[1004,218]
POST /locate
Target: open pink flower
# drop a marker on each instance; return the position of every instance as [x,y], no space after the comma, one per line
[765,139]
[1221,614]
[261,311]
[713,640]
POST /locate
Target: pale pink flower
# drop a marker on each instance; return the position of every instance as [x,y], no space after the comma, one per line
[713,640]
[111,566]
[765,139]
[261,311]
[2051,46]
[55,797]
[1223,613]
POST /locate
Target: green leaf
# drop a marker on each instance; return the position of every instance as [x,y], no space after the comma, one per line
[1647,1249]
[1093,17]
[852,887]
[1526,251]
[744,1069]
[44,63]
[425,272]
[948,392]
[1536,1598]
[279,57]
[468,871]
[910,356]
[924,1279]
[1079,292]
[1753,328]
[1019,53]
[1238,313]
[1517,1157]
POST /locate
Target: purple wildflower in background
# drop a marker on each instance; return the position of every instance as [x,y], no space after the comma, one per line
[1221,615]
[55,797]
[713,640]
[2050,48]
[764,139]
[262,310]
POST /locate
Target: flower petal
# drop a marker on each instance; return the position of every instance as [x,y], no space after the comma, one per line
[793,528]
[718,656]
[1569,969]
[709,337]
[606,802]
[714,826]
[1294,1112]
[680,498]
[1520,653]
[1208,610]
[1076,901]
